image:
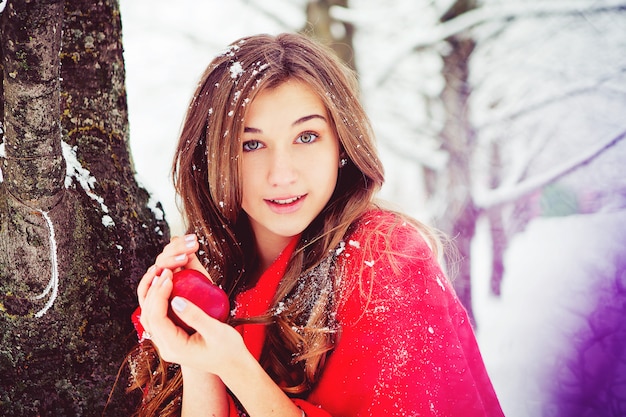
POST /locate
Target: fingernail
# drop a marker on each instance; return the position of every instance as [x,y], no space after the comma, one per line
[164,281]
[180,257]
[190,241]
[178,304]
[154,280]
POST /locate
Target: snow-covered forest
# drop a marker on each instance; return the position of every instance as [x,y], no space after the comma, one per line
[532,158]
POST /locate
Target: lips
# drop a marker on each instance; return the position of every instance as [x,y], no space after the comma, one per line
[286,205]
[286,201]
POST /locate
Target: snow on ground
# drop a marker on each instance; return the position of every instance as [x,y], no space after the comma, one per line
[557,270]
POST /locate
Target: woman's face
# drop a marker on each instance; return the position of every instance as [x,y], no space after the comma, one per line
[290,161]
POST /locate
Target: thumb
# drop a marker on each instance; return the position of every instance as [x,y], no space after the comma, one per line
[191,314]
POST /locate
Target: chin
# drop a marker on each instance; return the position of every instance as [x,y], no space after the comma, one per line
[290,230]
[289,233]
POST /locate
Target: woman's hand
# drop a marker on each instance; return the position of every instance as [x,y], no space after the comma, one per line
[213,339]
[179,253]
[212,357]
[213,348]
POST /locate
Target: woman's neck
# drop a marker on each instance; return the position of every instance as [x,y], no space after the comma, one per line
[268,250]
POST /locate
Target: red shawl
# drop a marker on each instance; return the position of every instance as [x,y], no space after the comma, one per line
[405,346]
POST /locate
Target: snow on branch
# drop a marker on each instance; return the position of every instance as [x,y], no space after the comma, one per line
[408,144]
[427,37]
[485,199]
[581,87]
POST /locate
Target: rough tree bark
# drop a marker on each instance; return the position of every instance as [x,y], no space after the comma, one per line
[76,230]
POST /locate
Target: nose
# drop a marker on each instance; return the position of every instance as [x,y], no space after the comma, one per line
[282,169]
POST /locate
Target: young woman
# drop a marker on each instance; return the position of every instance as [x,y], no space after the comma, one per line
[339,307]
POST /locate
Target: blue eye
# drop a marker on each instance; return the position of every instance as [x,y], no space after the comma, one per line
[252,145]
[307,137]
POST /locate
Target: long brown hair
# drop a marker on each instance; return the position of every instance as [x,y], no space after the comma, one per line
[300,332]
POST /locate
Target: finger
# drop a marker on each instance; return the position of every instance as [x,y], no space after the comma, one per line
[194,263]
[178,253]
[194,316]
[187,244]
[155,304]
[158,293]
[144,284]
[169,339]
[214,344]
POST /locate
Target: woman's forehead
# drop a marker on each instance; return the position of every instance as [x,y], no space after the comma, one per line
[289,102]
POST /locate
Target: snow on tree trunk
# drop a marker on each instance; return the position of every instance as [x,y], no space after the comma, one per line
[76,230]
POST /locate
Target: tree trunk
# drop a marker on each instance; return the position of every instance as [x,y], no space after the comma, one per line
[495,219]
[337,35]
[461,214]
[76,232]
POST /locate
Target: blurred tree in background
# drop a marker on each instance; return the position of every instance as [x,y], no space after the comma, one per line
[516,110]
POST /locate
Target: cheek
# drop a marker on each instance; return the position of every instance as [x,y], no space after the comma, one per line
[326,173]
[332,181]
[248,183]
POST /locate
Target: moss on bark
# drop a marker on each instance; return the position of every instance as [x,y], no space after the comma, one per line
[60,352]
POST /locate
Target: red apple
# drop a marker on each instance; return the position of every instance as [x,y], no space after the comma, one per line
[197,288]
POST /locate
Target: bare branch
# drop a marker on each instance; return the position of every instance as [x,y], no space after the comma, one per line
[485,199]
[581,88]
[423,38]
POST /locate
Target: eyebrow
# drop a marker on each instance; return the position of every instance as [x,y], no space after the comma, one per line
[297,122]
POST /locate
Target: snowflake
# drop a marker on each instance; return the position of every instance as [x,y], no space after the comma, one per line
[236,70]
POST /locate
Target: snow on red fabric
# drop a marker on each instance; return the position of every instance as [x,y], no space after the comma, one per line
[405,345]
